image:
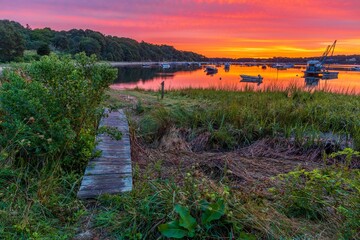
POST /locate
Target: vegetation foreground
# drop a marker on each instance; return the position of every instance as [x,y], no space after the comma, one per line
[208,164]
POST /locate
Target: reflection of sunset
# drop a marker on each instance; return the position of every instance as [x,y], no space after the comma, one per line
[273,78]
[215,28]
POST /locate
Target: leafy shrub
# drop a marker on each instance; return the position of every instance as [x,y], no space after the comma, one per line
[187,224]
[329,193]
[49,109]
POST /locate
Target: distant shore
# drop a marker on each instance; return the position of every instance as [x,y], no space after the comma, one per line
[121,64]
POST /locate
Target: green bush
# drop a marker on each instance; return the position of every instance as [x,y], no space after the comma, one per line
[49,109]
[323,194]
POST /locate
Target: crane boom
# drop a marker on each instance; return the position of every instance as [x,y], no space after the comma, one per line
[330,48]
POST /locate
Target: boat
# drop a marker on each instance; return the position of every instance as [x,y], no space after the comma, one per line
[146,65]
[211,70]
[356,68]
[165,65]
[263,66]
[330,75]
[288,65]
[279,66]
[315,67]
[227,66]
[248,78]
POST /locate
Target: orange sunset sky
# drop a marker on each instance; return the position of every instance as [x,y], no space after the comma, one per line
[214,28]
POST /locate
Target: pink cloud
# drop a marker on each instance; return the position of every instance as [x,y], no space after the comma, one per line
[205,26]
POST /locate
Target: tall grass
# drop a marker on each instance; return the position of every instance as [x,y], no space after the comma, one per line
[238,118]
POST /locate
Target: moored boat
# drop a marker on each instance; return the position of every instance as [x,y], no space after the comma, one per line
[330,75]
[356,68]
[146,65]
[248,78]
[279,66]
[165,65]
[211,69]
[313,68]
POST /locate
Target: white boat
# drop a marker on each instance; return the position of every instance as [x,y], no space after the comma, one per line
[313,67]
[165,65]
[289,65]
[248,78]
[279,66]
[356,68]
[211,69]
[145,65]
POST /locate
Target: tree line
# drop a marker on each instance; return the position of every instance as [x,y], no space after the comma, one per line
[15,39]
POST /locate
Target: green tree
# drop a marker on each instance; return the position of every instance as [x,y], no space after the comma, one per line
[61,42]
[12,43]
[89,46]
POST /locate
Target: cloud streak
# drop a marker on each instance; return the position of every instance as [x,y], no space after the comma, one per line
[212,27]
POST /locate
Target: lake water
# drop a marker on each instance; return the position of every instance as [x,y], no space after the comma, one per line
[185,76]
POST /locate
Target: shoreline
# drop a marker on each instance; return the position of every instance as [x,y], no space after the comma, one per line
[121,64]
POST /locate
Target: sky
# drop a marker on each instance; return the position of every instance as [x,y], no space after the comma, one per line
[214,28]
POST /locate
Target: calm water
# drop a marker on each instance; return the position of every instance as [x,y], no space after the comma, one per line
[178,77]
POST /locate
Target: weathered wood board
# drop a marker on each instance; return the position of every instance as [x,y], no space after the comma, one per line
[111,172]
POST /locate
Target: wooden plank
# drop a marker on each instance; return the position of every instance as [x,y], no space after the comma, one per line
[107,169]
[111,172]
[95,193]
[113,184]
[108,177]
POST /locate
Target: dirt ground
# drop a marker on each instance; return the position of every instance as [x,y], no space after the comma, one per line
[256,163]
[245,167]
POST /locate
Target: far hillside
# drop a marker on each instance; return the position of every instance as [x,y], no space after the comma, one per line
[19,43]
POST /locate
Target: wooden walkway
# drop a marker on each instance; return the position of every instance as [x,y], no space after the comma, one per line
[111,172]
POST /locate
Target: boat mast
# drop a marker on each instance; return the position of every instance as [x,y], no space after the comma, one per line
[330,48]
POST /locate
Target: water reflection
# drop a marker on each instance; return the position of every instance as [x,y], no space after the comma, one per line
[135,74]
[311,82]
[195,76]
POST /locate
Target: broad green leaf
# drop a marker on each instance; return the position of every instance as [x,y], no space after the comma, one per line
[186,220]
[214,211]
[204,204]
[172,230]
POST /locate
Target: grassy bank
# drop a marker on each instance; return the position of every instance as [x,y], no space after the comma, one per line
[270,165]
[207,164]
[235,119]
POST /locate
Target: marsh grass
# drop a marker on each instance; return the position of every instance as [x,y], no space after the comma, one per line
[238,118]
